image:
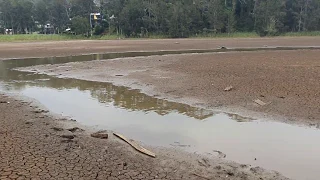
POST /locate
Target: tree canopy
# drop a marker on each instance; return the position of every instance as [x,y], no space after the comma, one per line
[174,18]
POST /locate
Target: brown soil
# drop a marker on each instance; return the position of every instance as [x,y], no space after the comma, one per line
[288,81]
[34,145]
[64,48]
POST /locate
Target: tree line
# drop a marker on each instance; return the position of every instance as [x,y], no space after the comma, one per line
[172,18]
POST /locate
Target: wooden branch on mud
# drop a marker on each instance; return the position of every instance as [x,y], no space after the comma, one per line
[136,145]
[259,102]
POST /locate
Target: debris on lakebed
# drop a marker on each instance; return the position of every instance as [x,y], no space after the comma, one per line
[75,129]
[135,145]
[220,154]
[57,129]
[40,111]
[68,136]
[4,102]
[261,103]
[229,88]
[100,135]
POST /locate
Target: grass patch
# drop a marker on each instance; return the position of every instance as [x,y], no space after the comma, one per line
[37,37]
[297,34]
[53,37]
[107,37]
[60,37]
[227,35]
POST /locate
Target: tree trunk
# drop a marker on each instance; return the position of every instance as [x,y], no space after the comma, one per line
[306,4]
[300,19]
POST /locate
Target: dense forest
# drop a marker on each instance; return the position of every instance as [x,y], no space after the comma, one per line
[173,18]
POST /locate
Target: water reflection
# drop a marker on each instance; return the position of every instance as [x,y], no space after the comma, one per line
[119,96]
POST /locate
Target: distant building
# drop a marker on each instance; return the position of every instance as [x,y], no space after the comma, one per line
[8,31]
[95,19]
[48,29]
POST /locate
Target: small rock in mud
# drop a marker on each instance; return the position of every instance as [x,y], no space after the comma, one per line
[63,119]
[57,129]
[230,173]
[256,170]
[220,154]
[243,166]
[229,88]
[40,111]
[75,129]
[4,102]
[100,135]
[68,136]
[66,141]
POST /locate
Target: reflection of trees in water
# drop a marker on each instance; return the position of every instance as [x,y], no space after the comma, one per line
[107,93]
[134,100]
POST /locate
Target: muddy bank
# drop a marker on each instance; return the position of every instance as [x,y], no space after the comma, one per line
[287,81]
[68,48]
[36,145]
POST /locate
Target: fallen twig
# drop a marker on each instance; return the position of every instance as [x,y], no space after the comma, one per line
[261,103]
[135,145]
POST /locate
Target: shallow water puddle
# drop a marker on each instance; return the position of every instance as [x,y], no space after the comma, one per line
[289,149]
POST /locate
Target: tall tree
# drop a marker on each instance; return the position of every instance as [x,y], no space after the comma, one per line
[174,18]
[82,8]
[269,17]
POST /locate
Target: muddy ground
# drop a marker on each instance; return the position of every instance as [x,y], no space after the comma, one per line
[287,81]
[33,145]
[67,48]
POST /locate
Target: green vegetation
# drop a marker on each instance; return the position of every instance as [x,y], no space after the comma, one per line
[53,37]
[312,33]
[61,37]
[162,18]
[227,35]
[159,18]
[36,37]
